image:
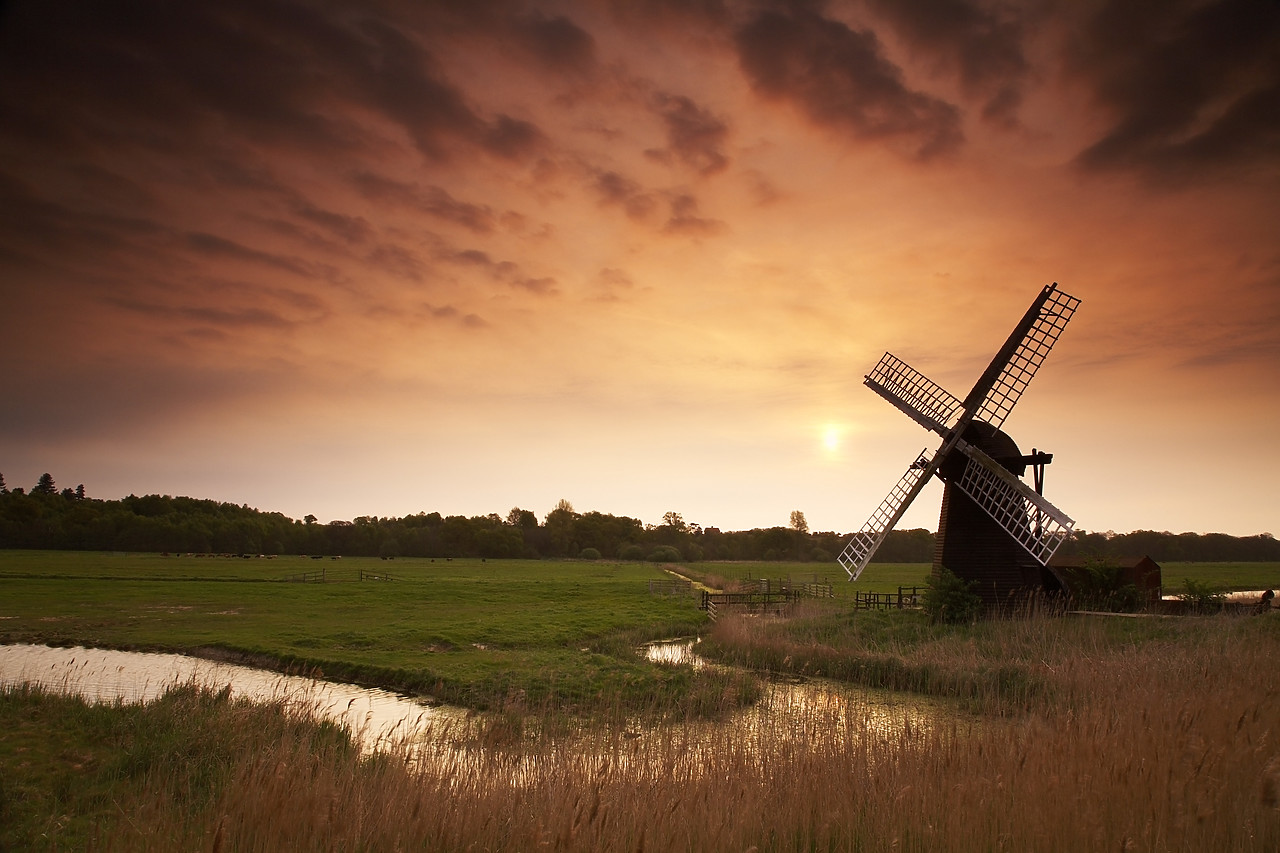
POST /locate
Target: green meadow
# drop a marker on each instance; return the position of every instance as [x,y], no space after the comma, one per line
[1062,734]
[480,633]
[1052,734]
[474,632]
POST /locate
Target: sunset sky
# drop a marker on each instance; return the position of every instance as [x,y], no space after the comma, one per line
[390,257]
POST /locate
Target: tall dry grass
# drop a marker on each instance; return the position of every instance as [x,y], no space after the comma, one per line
[1168,743]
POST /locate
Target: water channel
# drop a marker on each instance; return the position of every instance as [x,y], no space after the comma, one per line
[805,709]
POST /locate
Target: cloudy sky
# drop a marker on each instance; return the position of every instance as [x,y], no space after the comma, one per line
[381,258]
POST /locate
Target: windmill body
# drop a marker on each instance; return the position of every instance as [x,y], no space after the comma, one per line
[993,529]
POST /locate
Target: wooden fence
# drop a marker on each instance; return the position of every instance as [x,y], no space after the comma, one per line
[323,576]
[906,596]
[775,603]
[670,586]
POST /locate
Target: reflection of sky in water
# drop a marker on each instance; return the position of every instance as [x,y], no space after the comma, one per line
[792,715]
[816,707]
[100,674]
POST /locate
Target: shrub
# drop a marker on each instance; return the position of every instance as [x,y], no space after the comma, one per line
[1101,585]
[589,554]
[1202,596]
[631,552]
[947,598]
[664,554]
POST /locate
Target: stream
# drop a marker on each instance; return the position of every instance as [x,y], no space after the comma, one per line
[379,719]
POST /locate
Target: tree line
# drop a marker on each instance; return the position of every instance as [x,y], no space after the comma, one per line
[49,518]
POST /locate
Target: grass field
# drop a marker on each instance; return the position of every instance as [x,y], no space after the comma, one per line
[1225,576]
[879,577]
[465,631]
[1091,733]
[1147,735]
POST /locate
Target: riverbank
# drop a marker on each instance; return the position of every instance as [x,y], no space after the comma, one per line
[481,634]
[1161,740]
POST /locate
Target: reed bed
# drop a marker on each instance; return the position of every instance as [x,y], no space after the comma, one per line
[1159,738]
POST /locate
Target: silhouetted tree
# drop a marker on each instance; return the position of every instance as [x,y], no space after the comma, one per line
[523,518]
[801,527]
[560,529]
[45,486]
[4,490]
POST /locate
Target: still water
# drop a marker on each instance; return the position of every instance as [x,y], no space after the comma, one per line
[803,709]
[377,716]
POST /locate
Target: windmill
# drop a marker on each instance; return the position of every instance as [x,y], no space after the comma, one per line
[994,528]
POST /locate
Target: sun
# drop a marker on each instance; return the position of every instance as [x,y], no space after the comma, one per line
[831,438]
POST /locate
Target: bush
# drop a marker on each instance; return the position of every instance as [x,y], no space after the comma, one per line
[631,552]
[1202,596]
[947,598]
[664,554]
[1101,586]
[589,554]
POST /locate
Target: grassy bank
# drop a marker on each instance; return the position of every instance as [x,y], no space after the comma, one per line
[470,632]
[1152,739]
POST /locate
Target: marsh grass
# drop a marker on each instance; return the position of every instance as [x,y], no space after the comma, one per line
[1150,738]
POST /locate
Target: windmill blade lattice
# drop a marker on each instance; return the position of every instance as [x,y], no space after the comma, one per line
[1027,358]
[1036,524]
[918,397]
[864,543]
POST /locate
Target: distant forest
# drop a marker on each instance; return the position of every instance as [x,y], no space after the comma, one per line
[67,519]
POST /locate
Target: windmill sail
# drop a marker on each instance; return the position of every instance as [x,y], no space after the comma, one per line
[1036,524]
[1012,369]
[864,543]
[917,396]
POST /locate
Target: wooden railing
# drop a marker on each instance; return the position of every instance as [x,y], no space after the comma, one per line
[906,596]
[716,603]
[316,576]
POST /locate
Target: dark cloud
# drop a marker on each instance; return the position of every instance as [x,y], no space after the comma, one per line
[512,138]
[213,245]
[673,15]
[431,200]
[352,229]
[611,283]
[449,312]
[154,74]
[164,76]
[506,272]
[694,135]
[398,261]
[684,219]
[545,286]
[218,317]
[984,44]
[613,188]
[840,78]
[40,232]
[557,43]
[1193,87]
